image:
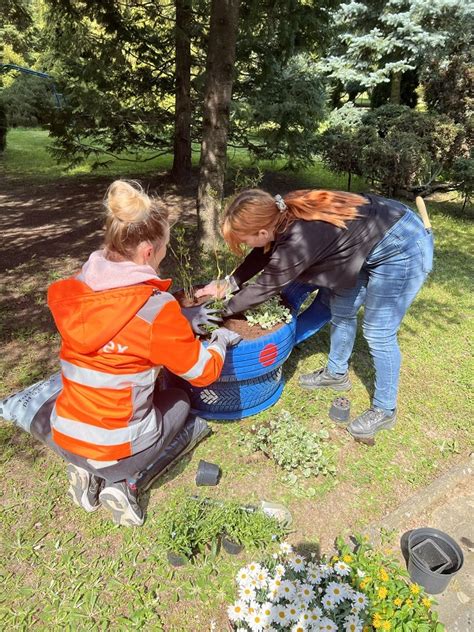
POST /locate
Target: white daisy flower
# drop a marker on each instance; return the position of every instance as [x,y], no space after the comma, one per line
[360,573]
[261,578]
[272,595]
[297,562]
[299,627]
[281,616]
[352,624]
[280,570]
[325,569]
[328,602]
[306,592]
[293,612]
[342,569]
[237,611]
[266,610]
[274,584]
[247,593]
[287,589]
[335,591]
[314,575]
[304,617]
[327,625]
[252,607]
[315,615]
[286,548]
[243,575]
[359,600]
[253,568]
[255,621]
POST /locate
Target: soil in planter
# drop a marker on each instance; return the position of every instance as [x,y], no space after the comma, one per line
[237,323]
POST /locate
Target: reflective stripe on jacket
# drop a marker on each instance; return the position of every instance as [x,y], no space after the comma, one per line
[114,343]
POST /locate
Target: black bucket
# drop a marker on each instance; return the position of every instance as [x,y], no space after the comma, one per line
[433,559]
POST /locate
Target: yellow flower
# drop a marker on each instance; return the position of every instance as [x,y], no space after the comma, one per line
[387,551]
[386,625]
[397,601]
[409,602]
[414,589]
[382,593]
[377,621]
[347,558]
[383,575]
[334,558]
[366,628]
[426,602]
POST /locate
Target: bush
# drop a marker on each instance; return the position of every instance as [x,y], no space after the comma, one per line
[397,147]
[3,127]
[28,102]
[463,175]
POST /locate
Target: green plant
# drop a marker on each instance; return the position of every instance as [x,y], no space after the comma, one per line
[268,314]
[253,529]
[182,253]
[189,524]
[292,446]
[395,603]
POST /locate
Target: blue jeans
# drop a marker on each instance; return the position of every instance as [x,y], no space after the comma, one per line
[389,280]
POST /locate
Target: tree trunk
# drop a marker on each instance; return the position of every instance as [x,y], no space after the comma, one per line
[181,169]
[217,96]
[395,85]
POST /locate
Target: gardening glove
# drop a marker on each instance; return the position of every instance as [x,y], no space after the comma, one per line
[225,336]
[201,315]
[218,288]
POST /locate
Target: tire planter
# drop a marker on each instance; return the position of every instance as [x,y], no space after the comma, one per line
[252,376]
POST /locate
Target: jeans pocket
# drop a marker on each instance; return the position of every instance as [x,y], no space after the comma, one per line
[426,246]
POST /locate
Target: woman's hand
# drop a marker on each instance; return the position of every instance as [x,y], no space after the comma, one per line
[217,289]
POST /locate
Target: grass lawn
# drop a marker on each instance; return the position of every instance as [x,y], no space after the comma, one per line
[63,569]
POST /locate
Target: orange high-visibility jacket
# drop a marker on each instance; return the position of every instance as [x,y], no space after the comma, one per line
[114,343]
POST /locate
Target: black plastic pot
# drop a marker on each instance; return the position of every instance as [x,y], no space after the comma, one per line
[234,548]
[175,559]
[340,410]
[433,559]
[207,473]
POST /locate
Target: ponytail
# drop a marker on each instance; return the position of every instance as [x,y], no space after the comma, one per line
[254,210]
[132,217]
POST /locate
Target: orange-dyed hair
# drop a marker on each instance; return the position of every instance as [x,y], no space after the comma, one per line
[254,210]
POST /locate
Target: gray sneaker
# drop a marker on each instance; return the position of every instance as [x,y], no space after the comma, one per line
[323,379]
[121,500]
[365,426]
[84,488]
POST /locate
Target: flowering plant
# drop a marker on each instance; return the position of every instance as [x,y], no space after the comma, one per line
[354,591]
[290,592]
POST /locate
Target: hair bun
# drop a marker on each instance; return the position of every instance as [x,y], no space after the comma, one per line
[127,201]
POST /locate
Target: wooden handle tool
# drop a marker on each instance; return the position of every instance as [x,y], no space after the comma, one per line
[420,205]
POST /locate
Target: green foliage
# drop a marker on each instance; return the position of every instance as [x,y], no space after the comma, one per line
[181,251]
[399,148]
[462,173]
[28,101]
[392,597]
[268,314]
[190,524]
[3,127]
[294,448]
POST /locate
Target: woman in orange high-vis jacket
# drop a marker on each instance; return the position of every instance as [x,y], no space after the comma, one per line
[119,326]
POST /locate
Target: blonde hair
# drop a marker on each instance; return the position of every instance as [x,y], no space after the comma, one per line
[132,217]
[254,210]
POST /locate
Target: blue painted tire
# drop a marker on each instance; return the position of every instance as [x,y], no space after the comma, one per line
[251,379]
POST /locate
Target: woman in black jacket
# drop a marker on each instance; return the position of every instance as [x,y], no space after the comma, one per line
[365,249]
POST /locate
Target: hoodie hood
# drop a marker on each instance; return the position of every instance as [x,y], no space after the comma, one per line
[88,319]
[101,274]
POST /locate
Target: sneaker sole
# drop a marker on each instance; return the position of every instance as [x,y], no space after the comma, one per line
[188,449]
[78,482]
[334,387]
[389,425]
[117,504]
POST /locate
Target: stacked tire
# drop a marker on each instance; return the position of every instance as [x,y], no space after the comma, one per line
[252,376]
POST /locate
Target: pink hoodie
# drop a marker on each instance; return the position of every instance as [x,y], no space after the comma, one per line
[101,274]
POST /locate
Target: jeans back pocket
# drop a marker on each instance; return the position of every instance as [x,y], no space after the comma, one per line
[426,246]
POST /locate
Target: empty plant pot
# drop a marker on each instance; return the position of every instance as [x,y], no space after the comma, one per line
[234,548]
[207,473]
[175,559]
[433,559]
[340,410]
